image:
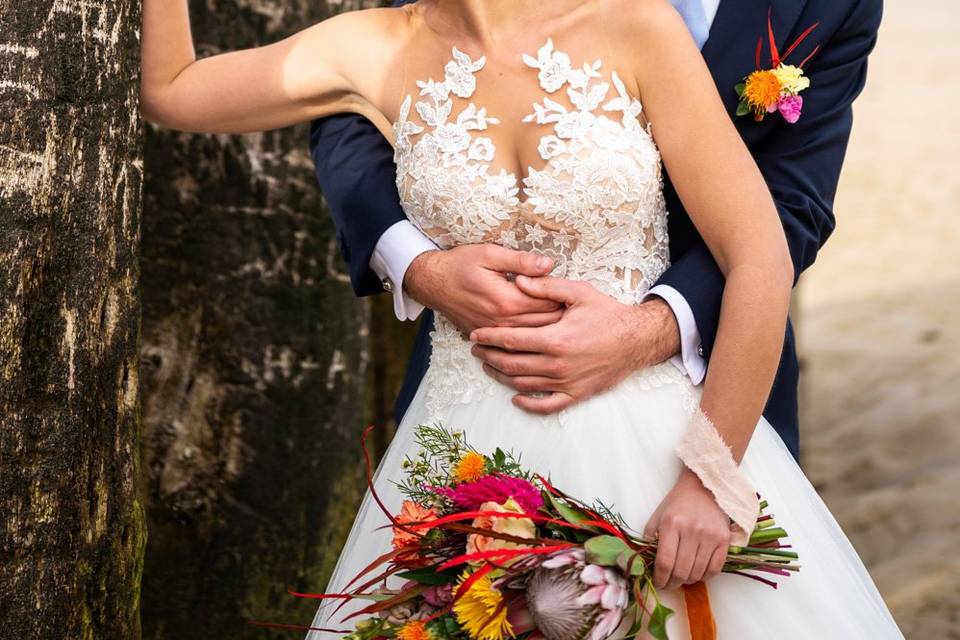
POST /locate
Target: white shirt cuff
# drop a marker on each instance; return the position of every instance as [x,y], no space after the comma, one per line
[690,360]
[391,258]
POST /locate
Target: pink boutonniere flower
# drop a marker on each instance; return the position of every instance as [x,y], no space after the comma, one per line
[777,88]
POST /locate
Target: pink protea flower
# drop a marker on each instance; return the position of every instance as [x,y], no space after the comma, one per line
[438,595]
[790,108]
[496,487]
[569,599]
[608,590]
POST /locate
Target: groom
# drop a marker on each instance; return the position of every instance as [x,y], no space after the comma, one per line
[524,338]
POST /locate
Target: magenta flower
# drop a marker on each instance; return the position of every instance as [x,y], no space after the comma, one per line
[790,108]
[495,487]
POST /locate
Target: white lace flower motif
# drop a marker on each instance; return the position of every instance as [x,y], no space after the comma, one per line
[508,239]
[580,78]
[451,138]
[551,146]
[574,124]
[436,114]
[625,103]
[503,186]
[588,99]
[481,150]
[458,74]
[438,91]
[535,233]
[554,66]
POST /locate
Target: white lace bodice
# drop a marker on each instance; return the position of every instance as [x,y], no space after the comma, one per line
[596,206]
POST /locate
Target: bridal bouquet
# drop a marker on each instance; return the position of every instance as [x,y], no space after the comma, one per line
[483,549]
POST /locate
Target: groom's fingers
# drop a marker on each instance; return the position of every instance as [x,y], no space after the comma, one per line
[528,339]
[532,319]
[524,384]
[515,364]
[548,288]
[518,262]
[543,405]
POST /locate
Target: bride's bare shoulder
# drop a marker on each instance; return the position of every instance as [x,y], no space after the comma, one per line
[645,33]
[381,26]
[629,19]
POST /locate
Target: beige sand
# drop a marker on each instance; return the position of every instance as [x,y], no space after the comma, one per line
[879,332]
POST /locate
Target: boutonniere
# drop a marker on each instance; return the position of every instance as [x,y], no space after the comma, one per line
[778,87]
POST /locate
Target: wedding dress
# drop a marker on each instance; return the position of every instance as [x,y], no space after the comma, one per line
[596,207]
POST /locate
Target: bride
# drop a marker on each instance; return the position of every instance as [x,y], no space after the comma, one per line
[520,123]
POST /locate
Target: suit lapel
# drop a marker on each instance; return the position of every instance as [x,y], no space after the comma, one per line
[730,51]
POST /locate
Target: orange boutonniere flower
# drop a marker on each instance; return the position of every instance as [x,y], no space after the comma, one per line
[777,88]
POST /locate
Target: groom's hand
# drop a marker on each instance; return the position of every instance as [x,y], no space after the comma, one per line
[597,343]
[468,284]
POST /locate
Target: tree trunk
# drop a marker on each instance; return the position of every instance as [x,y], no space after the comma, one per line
[253,365]
[70,180]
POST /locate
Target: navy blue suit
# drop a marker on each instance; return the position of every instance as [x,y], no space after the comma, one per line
[801,164]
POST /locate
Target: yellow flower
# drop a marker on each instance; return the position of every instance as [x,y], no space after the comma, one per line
[415,630]
[472,466]
[762,90]
[481,610]
[791,78]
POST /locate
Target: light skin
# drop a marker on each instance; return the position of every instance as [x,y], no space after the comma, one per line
[323,70]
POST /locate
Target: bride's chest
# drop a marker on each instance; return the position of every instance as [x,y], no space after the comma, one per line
[560,147]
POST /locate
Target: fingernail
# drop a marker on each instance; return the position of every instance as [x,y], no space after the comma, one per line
[473,336]
[543,262]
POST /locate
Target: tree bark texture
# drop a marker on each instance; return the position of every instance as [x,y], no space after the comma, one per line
[253,364]
[72,532]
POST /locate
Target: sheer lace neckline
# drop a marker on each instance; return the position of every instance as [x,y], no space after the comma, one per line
[584,88]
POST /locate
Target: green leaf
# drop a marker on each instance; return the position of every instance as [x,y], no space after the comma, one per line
[658,622]
[568,513]
[430,576]
[499,457]
[631,561]
[604,550]
[743,108]
[740,88]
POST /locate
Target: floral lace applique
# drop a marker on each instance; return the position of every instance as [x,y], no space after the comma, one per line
[596,207]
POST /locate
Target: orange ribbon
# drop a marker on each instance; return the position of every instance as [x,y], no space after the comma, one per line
[699,613]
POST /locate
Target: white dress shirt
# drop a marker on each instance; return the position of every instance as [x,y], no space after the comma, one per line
[403,242]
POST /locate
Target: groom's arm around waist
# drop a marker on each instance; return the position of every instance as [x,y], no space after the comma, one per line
[356,171]
[801,164]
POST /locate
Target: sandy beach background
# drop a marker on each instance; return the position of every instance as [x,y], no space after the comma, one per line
[879,331]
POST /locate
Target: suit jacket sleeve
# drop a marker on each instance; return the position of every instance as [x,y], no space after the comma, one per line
[355,169]
[801,164]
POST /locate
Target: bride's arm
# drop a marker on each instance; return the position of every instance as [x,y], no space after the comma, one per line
[732,209]
[315,72]
[731,206]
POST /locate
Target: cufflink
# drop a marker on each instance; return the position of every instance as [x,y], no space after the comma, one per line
[699,347]
[387,285]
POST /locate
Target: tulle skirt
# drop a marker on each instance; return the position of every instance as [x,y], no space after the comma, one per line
[619,447]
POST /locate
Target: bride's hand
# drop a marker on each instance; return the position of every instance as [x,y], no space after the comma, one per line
[693,532]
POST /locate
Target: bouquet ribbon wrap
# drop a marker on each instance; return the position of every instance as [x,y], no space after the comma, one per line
[707,455]
[699,613]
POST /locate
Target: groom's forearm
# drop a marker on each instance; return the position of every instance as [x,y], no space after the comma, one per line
[356,172]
